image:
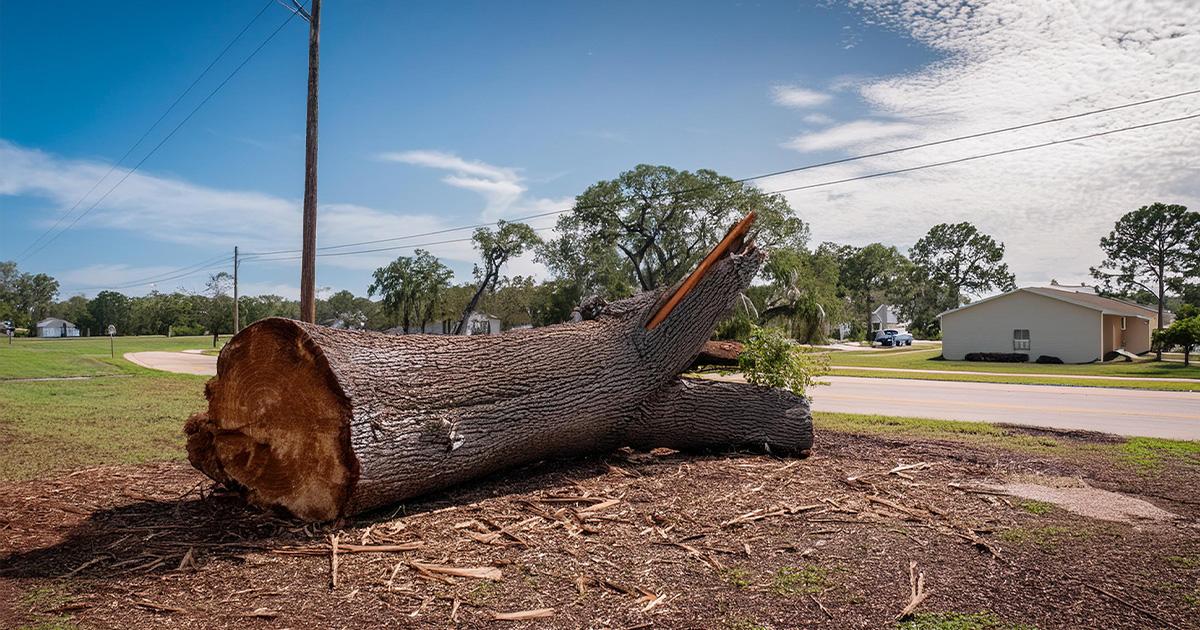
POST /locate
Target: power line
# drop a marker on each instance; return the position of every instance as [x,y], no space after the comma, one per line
[166,276]
[385,249]
[766,175]
[839,181]
[1096,134]
[164,140]
[265,257]
[151,128]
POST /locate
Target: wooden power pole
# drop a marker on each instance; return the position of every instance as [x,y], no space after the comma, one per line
[308,263]
[237,323]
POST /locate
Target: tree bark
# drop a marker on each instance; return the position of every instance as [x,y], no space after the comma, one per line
[325,423]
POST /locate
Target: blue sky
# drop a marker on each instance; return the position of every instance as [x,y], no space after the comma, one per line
[441,114]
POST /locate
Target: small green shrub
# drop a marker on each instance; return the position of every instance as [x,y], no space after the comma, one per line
[769,359]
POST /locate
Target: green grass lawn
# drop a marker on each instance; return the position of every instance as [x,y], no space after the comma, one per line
[48,426]
[83,356]
[928,359]
[137,416]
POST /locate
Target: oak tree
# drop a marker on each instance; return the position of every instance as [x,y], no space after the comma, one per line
[1151,248]
[411,287]
[496,247]
[653,223]
[959,256]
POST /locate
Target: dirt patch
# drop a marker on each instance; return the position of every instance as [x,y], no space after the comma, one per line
[1078,497]
[658,540]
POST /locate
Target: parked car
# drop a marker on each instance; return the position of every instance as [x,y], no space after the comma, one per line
[893,337]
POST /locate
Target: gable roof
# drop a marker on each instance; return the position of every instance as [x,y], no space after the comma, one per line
[1108,306]
[55,321]
[1091,300]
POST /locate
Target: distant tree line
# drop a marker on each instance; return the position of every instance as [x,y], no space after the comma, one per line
[647,229]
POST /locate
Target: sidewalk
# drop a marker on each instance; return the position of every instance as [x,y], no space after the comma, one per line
[178,362]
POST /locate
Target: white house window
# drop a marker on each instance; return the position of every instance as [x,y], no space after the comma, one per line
[1021,339]
[1122,323]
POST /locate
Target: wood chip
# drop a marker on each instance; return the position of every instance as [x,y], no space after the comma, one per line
[481,573]
[163,608]
[523,615]
[333,560]
[917,592]
[345,548]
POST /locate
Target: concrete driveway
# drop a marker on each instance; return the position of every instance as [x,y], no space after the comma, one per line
[179,362]
[1122,411]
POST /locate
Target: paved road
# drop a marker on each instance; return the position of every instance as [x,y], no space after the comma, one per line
[1121,411]
[181,362]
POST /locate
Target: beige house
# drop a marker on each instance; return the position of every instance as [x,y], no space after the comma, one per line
[1074,326]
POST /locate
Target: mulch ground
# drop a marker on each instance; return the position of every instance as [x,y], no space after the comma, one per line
[629,540]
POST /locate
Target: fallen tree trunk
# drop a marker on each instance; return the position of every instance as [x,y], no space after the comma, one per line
[325,423]
[718,354]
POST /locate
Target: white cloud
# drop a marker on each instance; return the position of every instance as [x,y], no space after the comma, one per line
[851,134]
[451,162]
[176,211]
[503,190]
[1004,64]
[797,97]
[100,276]
[817,119]
[501,187]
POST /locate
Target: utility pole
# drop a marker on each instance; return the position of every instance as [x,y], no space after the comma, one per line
[237,322]
[308,263]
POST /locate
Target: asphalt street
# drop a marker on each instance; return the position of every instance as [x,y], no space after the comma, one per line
[1121,411]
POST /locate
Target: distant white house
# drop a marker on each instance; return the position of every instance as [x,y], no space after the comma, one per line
[55,327]
[1073,326]
[884,317]
[477,324]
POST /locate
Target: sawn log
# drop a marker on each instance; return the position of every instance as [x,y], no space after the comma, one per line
[324,423]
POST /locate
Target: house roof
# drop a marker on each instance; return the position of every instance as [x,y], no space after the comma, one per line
[54,321]
[1108,306]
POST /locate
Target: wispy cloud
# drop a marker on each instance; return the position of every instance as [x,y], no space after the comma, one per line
[172,210]
[817,119]
[500,186]
[798,97]
[1003,64]
[850,134]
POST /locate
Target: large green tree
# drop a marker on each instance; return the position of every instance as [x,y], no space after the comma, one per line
[959,256]
[110,308]
[496,248]
[653,223]
[921,298]
[866,273]
[1150,249]
[411,288]
[1184,333]
[802,293]
[25,298]
[256,307]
